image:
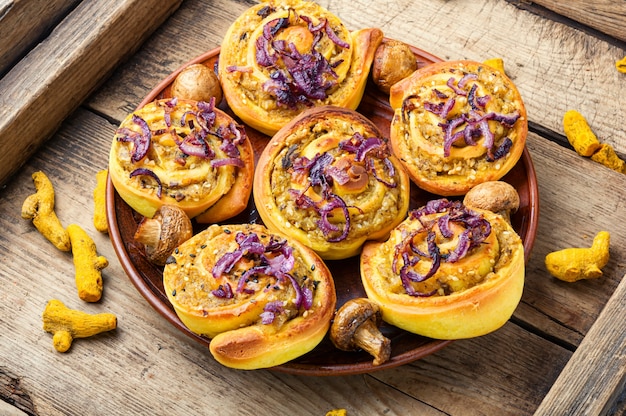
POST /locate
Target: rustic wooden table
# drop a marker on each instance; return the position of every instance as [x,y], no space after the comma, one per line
[72,70]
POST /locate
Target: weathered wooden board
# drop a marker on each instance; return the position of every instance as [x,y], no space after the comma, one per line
[25,22]
[57,75]
[577,200]
[606,16]
[485,359]
[581,388]
[203,28]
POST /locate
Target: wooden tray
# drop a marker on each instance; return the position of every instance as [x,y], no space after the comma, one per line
[325,359]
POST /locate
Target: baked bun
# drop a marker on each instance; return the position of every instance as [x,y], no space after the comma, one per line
[184,153]
[281,57]
[263,299]
[328,180]
[457,124]
[446,272]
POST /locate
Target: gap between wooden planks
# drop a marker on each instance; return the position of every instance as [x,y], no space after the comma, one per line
[53,79]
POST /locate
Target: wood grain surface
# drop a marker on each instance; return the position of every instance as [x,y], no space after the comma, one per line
[603,347]
[23,23]
[562,352]
[606,16]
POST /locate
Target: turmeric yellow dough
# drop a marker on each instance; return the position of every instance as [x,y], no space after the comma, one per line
[446,272]
[328,179]
[457,124]
[281,57]
[262,298]
[184,153]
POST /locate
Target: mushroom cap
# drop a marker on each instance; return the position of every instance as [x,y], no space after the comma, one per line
[174,228]
[197,82]
[349,317]
[493,196]
[393,61]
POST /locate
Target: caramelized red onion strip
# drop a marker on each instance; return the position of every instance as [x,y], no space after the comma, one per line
[148,172]
[456,88]
[239,68]
[476,230]
[465,79]
[270,311]
[322,173]
[229,161]
[361,147]
[307,76]
[476,122]
[167,111]
[224,291]
[274,259]
[141,141]
[196,145]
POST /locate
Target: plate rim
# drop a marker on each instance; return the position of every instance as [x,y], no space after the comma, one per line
[292,367]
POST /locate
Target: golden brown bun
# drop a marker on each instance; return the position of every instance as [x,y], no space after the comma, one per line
[466,298]
[171,171]
[375,196]
[251,85]
[425,106]
[231,311]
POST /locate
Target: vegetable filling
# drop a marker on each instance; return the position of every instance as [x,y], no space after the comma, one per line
[274,259]
[195,136]
[443,222]
[468,126]
[306,76]
[324,170]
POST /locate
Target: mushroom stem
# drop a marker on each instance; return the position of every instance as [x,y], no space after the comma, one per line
[356,327]
[505,214]
[168,228]
[150,232]
[370,339]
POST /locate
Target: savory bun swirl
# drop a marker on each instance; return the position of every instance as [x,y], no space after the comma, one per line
[264,300]
[184,153]
[281,57]
[328,180]
[446,272]
[457,124]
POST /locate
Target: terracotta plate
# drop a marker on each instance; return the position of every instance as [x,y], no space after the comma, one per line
[325,359]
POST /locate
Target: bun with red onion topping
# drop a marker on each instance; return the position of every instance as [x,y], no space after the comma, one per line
[446,272]
[328,179]
[184,153]
[457,124]
[263,299]
[281,57]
